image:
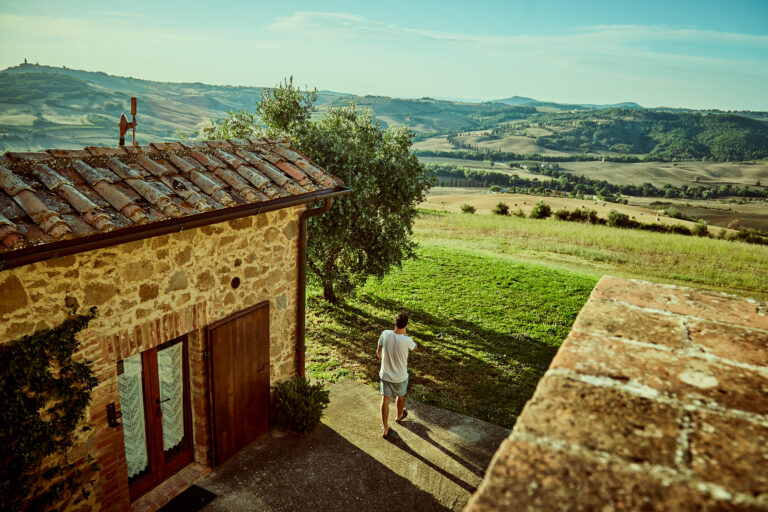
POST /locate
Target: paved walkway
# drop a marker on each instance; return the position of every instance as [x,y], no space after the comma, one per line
[434,460]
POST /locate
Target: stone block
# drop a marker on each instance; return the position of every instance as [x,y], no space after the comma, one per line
[730,342]
[684,301]
[621,321]
[685,377]
[525,476]
[178,282]
[603,418]
[148,292]
[730,451]
[13,297]
[97,294]
[241,223]
[139,270]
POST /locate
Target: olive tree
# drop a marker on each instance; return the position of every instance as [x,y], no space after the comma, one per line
[367,232]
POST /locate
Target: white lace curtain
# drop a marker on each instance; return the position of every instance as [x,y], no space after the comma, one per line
[169,369]
[132,407]
[130,384]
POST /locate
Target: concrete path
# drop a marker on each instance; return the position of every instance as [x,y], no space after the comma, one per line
[434,460]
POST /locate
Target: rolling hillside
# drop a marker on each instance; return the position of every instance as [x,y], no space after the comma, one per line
[50,107]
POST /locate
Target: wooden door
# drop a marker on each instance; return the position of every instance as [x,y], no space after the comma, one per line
[239,369]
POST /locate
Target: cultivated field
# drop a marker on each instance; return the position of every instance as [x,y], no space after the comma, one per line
[750,214]
[511,144]
[481,139]
[674,173]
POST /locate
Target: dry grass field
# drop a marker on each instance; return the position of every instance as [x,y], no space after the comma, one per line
[450,199]
[434,144]
[511,144]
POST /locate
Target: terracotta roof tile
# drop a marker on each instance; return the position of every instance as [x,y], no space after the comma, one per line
[69,153]
[57,194]
[122,170]
[30,157]
[156,168]
[207,161]
[166,146]
[194,145]
[228,158]
[217,143]
[102,151]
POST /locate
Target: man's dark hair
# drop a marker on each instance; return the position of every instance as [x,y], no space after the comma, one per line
[401,320]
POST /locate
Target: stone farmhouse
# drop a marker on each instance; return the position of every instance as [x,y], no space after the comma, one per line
[194,255]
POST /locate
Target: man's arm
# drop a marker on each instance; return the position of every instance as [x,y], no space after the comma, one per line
[378,351]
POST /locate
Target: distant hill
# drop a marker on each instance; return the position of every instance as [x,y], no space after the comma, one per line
[51,107]
[521,100]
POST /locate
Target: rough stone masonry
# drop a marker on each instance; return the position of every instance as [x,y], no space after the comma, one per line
[657,400]
[151,291]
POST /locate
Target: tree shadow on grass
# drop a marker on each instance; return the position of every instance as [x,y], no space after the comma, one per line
[460,365]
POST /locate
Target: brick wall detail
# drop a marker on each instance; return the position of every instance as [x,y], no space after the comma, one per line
[152,291]
[657,400]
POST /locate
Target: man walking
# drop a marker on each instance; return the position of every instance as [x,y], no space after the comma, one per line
[393,350]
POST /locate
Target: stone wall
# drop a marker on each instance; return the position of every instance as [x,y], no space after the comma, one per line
[657,400]
[151,291]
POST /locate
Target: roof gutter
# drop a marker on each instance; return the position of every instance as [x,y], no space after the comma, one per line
[35,254]
[302,284]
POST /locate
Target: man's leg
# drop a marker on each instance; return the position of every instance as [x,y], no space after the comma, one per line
[384,412]
[400,406]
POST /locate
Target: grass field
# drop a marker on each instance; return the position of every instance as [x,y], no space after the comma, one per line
[486,326]
[733,267]
[491,298]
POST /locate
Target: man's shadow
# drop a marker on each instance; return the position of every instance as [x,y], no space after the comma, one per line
[394,438]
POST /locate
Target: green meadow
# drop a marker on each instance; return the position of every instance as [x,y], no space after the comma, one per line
[492,298]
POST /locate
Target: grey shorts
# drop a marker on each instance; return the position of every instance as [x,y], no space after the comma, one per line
[393,388]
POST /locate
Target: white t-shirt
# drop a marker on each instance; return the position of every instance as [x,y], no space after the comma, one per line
[394,356]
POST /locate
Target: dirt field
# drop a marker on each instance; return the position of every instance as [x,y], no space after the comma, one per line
[434,144]
[451,199]
[674,173]
[750,214]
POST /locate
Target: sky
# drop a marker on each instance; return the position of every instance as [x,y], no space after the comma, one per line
[675,53]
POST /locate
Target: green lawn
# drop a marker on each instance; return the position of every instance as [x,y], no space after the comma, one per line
[487,328]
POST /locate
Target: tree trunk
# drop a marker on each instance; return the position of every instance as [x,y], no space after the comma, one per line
[328,293]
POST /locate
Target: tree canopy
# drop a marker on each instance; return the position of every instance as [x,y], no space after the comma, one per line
[367,232]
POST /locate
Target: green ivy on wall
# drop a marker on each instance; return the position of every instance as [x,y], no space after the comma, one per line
[43,396]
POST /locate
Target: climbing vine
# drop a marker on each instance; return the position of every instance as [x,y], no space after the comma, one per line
[43,396]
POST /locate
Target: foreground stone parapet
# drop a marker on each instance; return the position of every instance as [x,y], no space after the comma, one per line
[657,400]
